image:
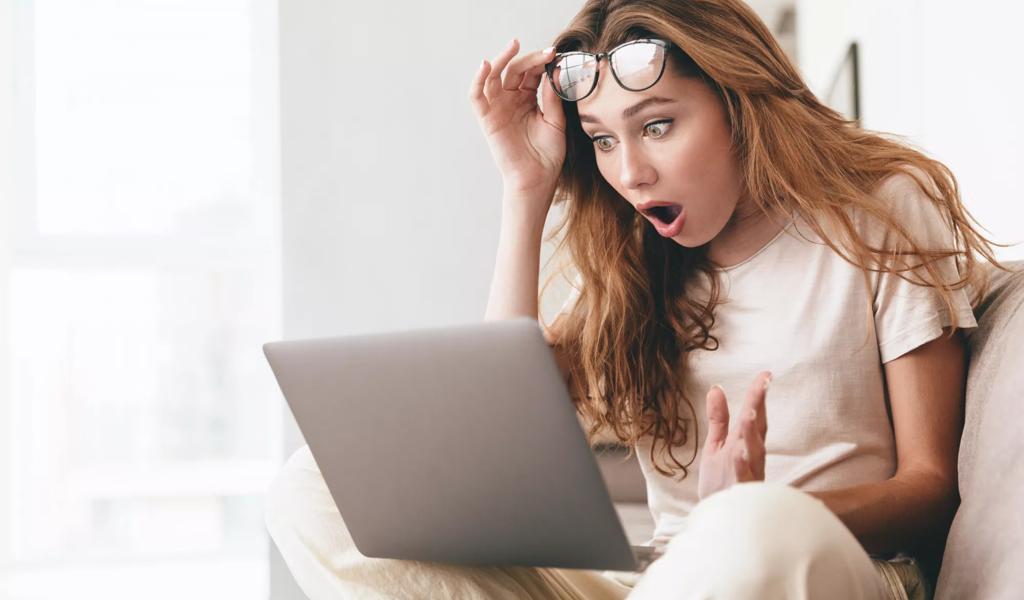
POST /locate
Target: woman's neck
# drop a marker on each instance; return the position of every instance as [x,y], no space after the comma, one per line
[747,231]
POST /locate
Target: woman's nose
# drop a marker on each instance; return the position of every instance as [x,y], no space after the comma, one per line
[635,169]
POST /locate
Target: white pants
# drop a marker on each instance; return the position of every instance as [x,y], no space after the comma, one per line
[755,540]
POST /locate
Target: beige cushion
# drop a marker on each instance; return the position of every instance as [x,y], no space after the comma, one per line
[985,548]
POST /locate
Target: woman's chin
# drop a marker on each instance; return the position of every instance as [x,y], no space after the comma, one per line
[683,238]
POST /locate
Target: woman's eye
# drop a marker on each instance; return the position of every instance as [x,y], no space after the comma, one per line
[658,128]
[603,143]
[654,130]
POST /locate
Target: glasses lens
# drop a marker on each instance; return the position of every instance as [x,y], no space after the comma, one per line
[574,75]
[638,65]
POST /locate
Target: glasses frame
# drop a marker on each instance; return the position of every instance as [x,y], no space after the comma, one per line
[550,67]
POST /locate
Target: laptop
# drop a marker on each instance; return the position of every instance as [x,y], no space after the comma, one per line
[457,445]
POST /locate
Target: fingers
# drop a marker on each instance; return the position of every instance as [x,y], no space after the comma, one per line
[754,427]
[752,445]
[762,414]
[512,74]
[755,401]
[532,77]
[525,71]
[718,418]
[741,467]
[477,99]
[551,105]
[493,84]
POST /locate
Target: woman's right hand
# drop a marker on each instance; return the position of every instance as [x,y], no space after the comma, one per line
[526,140]
[737,454]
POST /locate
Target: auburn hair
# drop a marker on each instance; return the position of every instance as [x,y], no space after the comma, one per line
[627,335]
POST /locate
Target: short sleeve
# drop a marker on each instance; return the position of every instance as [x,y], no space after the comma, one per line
[908,315]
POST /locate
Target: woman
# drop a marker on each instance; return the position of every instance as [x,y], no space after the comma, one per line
[727,230]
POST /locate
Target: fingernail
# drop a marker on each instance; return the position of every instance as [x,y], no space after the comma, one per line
[549,50]
[512,43]
[767,382]
[719,387]
[751,415]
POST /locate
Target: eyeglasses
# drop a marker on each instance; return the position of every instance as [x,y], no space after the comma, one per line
[635,65]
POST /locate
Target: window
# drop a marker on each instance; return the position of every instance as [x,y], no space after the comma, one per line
[143,279]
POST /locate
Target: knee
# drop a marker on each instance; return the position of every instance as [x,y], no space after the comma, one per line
[277,500]
[769,517]
[298,506]
[762,540]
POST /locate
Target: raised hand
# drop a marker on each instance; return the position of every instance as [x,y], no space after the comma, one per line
[734,455]
[527,140]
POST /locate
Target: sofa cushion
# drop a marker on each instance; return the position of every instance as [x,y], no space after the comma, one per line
[985,547]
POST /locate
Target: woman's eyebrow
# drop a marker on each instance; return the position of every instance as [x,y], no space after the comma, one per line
[632,110]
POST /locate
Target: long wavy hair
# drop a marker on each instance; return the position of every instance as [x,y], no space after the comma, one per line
[628,334]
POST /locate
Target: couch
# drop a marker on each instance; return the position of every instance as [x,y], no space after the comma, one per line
[983,555]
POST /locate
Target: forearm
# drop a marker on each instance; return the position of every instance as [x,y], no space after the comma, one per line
[897,514]
[514,285]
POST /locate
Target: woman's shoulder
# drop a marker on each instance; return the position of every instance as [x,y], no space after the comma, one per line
[905,200]
[906,190]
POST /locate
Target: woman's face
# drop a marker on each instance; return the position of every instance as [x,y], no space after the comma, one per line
[668,144]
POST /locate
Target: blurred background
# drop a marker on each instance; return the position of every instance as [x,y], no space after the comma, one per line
[184,180]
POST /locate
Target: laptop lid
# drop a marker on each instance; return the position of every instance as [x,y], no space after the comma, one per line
[457,445]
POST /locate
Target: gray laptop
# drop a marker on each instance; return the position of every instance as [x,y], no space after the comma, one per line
[456,445]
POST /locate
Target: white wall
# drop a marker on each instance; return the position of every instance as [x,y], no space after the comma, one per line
[391,198]
[944,74]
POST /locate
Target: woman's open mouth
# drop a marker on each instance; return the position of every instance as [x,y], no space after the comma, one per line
[668,219]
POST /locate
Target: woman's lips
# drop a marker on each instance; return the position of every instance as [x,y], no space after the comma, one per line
[664,229]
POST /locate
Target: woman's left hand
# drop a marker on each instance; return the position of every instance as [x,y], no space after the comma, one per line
[736,455]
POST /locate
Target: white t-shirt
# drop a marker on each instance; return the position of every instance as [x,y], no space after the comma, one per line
[797,309]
